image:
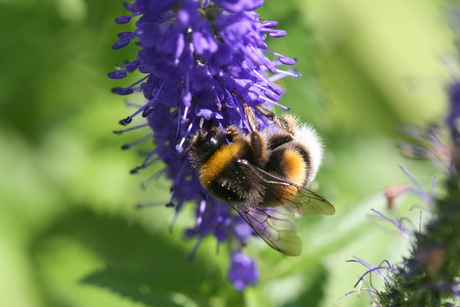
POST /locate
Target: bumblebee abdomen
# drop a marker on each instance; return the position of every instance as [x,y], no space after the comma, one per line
[295,166]
[289,164]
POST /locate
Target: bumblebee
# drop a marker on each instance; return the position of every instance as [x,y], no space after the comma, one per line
[263,175]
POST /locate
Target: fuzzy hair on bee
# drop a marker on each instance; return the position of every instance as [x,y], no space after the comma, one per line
[263,175]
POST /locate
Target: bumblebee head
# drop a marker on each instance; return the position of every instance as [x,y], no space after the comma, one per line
[204,144]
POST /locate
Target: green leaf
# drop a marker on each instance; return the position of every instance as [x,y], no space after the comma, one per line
[146,267]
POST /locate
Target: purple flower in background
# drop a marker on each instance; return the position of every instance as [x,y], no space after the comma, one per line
[430,275]
[452,121]
[243,271]
[195,56]
[454,114]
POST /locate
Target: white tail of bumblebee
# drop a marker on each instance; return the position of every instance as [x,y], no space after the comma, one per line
[307,136]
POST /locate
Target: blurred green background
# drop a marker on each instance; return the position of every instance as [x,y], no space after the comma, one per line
[69,231]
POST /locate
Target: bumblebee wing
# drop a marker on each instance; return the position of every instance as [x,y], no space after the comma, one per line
[274,227]
[296,199]
[307,202]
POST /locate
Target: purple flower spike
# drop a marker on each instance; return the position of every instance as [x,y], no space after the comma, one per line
[237,6]
[454,115]
[243,271]
[198,57]
[454,93]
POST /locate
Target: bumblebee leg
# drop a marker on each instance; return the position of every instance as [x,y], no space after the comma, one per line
[285,123]
[279,139]
[232,133]
[259,149]
[249,112]
[251,117]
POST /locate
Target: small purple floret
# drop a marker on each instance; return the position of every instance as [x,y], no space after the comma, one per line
[117,74]
[123,19]
[243,271]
